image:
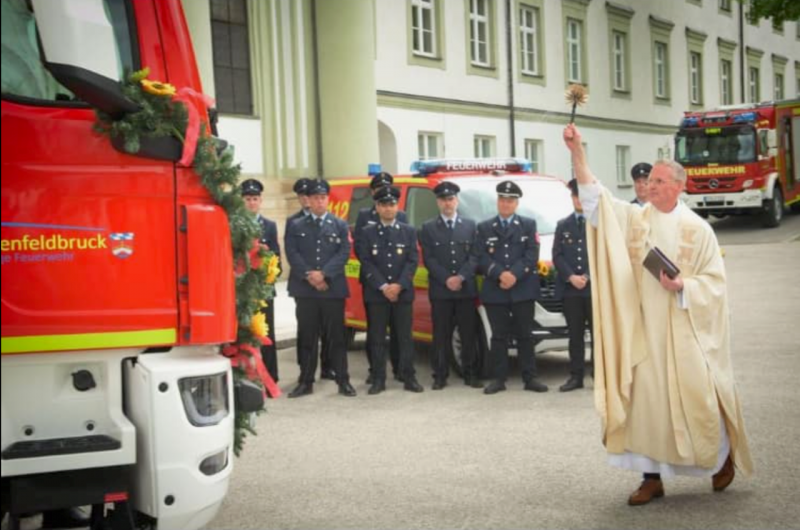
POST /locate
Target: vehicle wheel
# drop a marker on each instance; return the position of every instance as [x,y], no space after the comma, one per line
[795,208]
[773,209]
[455,353]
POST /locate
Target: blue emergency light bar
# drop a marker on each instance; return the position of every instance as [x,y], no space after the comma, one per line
[692,121]
[744,117]
[477,165]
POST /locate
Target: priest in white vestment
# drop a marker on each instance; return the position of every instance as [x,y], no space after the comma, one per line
[664,385]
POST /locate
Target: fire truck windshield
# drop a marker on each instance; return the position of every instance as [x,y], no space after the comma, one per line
[716,145]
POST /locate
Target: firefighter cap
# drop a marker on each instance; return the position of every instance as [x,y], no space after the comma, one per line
[301,186]
[380,180]
[641,170]
[509,189]
[446,189]
[387,195]
[252,187]
[318,187]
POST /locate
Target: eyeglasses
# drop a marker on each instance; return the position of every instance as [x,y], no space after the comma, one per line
[659,182]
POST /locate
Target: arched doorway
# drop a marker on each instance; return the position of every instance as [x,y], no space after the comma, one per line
[387,148]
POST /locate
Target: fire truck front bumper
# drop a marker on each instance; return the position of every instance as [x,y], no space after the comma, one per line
[728,202]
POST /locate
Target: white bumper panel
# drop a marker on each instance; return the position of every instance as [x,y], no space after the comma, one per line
[169,485]
[38,396]
[747,199]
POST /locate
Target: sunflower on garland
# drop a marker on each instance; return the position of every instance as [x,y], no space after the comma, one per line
[547,271]
[182,113]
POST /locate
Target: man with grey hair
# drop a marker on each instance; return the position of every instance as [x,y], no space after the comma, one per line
[664,385]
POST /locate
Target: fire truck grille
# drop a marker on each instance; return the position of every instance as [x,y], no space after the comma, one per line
[715,183]
[547,299]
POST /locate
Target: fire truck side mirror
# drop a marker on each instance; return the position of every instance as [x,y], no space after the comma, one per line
[247,396]
[92,74]
[772,139]
[767,144]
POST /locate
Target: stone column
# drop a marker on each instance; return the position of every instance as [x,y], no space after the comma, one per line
[346,84]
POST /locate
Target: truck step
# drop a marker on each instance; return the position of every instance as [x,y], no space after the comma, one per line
[60,446]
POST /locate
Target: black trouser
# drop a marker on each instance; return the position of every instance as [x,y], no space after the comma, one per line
[269,353]
[578,313]
[398,316]
[509,320]
[315,317]
[446,315]
[394,345]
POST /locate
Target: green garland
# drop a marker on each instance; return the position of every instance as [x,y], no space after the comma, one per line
[160,116]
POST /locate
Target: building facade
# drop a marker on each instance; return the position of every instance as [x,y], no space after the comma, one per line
[326,87]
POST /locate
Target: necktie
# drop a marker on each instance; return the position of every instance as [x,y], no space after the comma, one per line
[504,223]
[450,224]
[318,222]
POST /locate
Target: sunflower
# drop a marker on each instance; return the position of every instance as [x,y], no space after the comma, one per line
[258,325]
[273,269]
[157,88]
[544,269]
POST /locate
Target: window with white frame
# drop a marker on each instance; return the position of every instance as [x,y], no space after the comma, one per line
[479,32]
[484,146]
[528,39]
[423,27]
[726,81]
[535,153]
[778,86]
[430,144]
[753,88]
[574,37]
[623,162]
[661,69]
[695,78]
[619,60]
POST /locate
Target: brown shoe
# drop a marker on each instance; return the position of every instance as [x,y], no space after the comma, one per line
[651,488]
[724,476]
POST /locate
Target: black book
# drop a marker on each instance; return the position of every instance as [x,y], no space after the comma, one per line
[656,261]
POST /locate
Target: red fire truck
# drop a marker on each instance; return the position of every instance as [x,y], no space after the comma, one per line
[117,284]
[742,160]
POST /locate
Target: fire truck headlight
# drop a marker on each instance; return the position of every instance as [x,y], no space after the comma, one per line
[205,399]
[215,463]
[747,183]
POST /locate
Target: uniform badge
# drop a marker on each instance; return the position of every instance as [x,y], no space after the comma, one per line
[491,250]
[399,250]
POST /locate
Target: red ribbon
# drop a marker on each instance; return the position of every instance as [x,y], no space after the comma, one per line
[197,105]
[247,357]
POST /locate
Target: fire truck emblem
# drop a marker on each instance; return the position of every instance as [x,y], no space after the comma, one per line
[121,244]
[713,184]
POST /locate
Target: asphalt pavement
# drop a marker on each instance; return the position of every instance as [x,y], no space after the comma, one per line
[459,459]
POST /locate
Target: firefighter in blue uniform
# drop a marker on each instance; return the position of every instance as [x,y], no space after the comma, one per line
[318,247]
[447,242]
[251,192]
[367,217]
[572,285]
[508,255]
[389,258]
[300,188]
[639,173]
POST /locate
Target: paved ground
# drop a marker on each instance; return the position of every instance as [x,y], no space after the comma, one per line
[459,459]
